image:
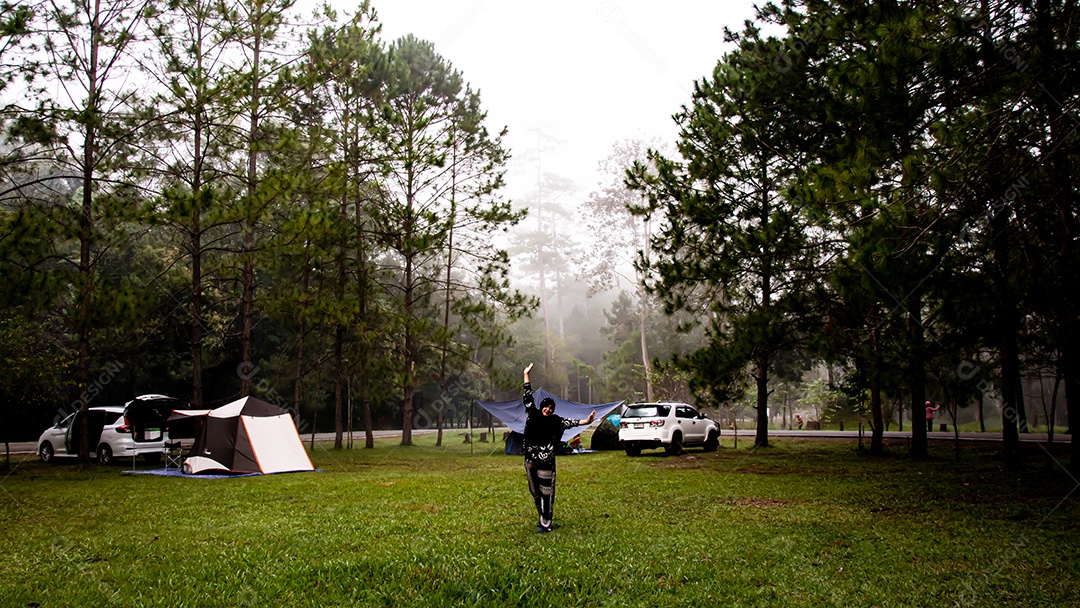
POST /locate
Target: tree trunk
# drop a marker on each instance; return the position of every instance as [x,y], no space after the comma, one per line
[1010,389]
[761,438]
[1065,227]
[877,430]
[339,373]
[645,359]
[407,401]
[298,375]
[900,415]
[1071,373]
[982,418]
[369,434]
[86,289]
[410,341]
[1051,417]
[446,303]
[1007,321]
[83,318]
[362,312]
[1021,409]
[196,265]
[196,307]
[248,272]
[549,347]
[645,347]
[409,354]
[339,324]
[917,377]
[762,360]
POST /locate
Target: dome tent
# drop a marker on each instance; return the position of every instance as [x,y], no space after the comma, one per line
[246,436]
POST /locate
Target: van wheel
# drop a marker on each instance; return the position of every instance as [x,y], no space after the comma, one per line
[675,447]
[104,454]
[46,452]
[633,451]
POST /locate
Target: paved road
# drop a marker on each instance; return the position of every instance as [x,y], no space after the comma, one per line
[934,436]
[748,434]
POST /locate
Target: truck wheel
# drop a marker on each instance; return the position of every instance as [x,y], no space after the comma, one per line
[675,447]
[712,442]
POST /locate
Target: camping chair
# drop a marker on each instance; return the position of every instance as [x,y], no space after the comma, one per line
[174,455]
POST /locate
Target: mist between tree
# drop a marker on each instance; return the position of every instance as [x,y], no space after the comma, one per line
[854,203]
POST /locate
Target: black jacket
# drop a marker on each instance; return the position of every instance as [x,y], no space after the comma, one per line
[542,433]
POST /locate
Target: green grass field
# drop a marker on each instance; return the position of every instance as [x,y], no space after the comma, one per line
[798,524]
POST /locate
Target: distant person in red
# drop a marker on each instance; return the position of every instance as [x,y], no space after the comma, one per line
[543,431]
[930,416]
[798,420]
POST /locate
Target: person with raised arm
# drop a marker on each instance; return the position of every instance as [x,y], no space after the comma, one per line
[543,431]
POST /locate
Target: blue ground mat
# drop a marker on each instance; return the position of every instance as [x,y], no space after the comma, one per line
[179,473]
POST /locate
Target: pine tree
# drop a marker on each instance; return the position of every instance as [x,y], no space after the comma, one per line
[730,240]
[89,50]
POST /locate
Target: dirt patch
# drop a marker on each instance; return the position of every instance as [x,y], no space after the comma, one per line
[753,501]
[682,461]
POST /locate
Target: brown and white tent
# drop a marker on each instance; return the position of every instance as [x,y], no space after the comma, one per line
[246,436]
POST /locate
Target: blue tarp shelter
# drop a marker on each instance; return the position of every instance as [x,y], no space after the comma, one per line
[512,413]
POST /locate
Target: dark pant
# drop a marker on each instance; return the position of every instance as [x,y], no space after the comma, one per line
[542,487]
[929,425]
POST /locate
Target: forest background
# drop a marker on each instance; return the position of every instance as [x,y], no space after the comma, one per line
[868,205]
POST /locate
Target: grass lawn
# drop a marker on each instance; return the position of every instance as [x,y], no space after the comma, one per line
[802,523]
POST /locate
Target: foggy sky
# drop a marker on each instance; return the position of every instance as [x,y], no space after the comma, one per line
[567,78]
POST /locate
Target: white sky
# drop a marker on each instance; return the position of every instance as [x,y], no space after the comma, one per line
[585,74]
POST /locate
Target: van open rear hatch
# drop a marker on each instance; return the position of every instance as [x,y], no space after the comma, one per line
[147,416]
